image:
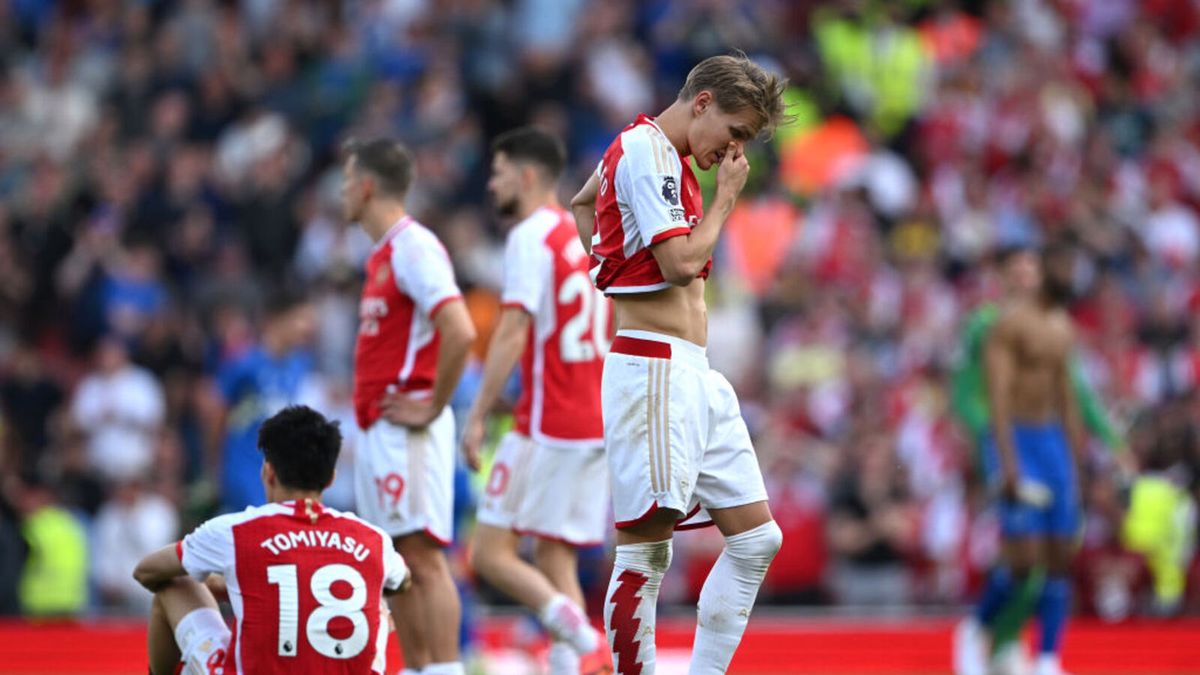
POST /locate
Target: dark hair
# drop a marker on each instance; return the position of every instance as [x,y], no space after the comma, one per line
[388,161]
[1007,252]
[530,144]
[1057,282]
[302,446]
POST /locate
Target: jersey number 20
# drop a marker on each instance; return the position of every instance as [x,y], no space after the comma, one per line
[316,629]
[575,344]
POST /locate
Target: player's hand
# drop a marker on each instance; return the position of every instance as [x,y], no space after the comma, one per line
[216,585]
[731,174]
[405,411]
[472,441]
[1009,480]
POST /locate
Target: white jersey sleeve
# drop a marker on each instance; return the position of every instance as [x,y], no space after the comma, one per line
[423,271]
[209,548]
[527,270]
[648,177]
[394,567]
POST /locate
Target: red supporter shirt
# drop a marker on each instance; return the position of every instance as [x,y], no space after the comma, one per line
[647,193]
[409,278]
[306,584]
[546,274]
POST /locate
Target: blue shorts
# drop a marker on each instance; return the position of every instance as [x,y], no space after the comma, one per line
[1043,458]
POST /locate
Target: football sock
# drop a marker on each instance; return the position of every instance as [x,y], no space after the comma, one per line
[728,596]
[567,622]
[1006,625]
[564,660]
[629,607]
[995,594]
[1052,612]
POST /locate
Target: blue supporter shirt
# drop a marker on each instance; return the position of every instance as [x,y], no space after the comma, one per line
[255,386]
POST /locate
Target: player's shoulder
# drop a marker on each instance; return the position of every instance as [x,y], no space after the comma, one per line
[416,244]
[645,145]
[533,230]
[417,233]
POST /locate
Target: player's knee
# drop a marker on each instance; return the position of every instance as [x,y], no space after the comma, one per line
[555,559]
[758,544]
[485,559]
[426,562]
[649,556]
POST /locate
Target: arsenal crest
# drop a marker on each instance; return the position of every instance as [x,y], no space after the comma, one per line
[383,274]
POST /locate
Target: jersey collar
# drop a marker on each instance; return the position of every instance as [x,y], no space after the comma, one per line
[643,118]
[394,230]
[305,509]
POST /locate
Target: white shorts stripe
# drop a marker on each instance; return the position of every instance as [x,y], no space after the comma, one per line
[665,395]
[651,434]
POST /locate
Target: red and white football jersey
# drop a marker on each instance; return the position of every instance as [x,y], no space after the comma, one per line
[409,278]
[647,193]
[546,274]
[306,584]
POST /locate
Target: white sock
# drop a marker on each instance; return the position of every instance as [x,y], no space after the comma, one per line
[728,596]
[629,607]
[1048,664]
[567,622]
[447,668]
[564,660]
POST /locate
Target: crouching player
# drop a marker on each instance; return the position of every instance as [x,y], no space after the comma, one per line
[305,582]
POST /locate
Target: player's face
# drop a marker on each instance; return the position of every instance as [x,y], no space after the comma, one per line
[1023,272]
[713,129]
[353,192]
[504,184]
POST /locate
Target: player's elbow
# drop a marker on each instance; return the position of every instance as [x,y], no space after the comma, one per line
[460,337]
[145,576]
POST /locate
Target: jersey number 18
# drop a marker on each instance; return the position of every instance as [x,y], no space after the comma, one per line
[330,607]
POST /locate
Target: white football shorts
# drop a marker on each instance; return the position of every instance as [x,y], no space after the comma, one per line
[673,432]
[546,491]
[404,479]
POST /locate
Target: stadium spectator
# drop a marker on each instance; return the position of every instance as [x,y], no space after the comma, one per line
[132,524]
[119,409]
[54,579]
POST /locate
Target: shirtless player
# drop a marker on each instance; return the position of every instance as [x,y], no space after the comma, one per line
[1036,445]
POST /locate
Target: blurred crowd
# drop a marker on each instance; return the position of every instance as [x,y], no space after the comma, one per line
[173,267]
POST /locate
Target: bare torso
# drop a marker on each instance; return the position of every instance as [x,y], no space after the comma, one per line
[1039,342]
[679,311]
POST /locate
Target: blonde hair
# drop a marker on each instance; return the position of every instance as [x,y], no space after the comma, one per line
[737,84]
